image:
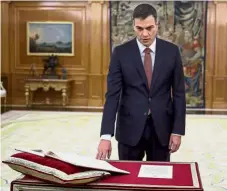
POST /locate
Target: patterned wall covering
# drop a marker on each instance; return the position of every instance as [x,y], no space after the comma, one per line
[181,22]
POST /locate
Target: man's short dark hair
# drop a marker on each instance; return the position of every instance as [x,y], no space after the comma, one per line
[143,11]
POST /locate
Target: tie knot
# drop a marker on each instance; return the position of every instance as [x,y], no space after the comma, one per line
[147,50]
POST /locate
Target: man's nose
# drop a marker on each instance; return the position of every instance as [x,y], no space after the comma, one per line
[145,32]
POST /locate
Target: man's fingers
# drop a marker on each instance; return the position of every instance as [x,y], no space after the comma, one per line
[109,154]
[102,155]
[104,150]
[170,144]
[174,143]
[174,147]
[99,155]
[177,146]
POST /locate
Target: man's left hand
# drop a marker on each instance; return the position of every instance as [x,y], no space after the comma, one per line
[174,143]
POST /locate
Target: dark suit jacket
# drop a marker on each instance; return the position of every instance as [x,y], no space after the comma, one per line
[128,94]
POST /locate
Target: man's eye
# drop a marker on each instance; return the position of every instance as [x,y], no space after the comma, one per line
[150,28]
[139,28]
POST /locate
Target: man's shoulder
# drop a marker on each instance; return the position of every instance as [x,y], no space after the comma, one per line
[125,45]
[166,43]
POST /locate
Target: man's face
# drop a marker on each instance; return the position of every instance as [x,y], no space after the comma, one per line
[146,30]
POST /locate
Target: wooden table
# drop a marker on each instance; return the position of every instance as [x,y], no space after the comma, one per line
[63,85]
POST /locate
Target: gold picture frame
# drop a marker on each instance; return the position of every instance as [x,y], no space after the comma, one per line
[50,38]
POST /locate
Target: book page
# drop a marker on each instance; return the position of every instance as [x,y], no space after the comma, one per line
[75,159]
[156,171]
[85,161]
[40,152]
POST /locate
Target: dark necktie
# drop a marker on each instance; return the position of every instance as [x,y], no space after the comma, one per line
[148,65]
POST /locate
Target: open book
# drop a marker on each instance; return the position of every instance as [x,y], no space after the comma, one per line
[77,160]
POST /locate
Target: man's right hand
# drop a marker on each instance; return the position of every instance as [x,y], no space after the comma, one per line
[104,149]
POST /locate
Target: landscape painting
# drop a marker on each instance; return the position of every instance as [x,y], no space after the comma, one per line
[47,38]
[180,22]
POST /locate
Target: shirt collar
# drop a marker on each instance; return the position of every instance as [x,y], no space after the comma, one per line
[142,47]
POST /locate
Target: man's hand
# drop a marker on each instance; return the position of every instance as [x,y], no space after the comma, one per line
[104,149]
[174,143]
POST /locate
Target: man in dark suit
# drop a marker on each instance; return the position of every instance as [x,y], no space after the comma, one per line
[146,90]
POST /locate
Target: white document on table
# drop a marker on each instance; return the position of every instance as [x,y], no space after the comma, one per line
[156,171]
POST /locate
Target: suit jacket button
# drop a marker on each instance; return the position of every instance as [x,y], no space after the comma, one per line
[149,99]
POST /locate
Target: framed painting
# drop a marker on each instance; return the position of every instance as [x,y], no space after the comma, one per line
[47,38]
[180,22]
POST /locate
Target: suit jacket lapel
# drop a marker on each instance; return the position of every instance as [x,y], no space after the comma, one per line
[138,62]
[157,65]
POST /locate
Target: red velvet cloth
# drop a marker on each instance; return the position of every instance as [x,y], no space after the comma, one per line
[181,174]
[50,162]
